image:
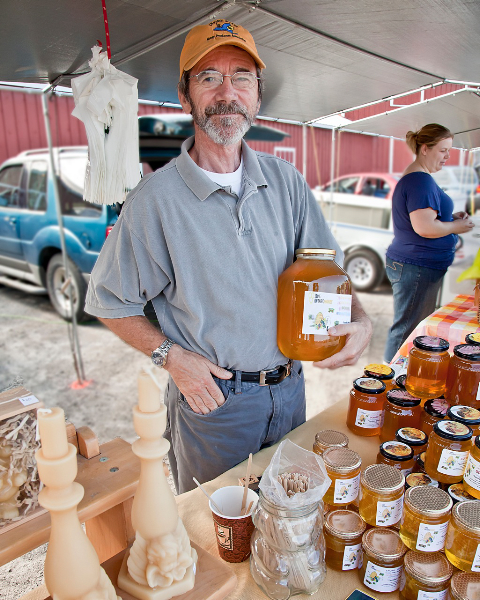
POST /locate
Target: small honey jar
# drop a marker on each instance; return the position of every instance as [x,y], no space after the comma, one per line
[396,454]
[343,467]
[366,407]
[415,438]
[426,576]
[343,530]
[458,493]
[328,438]
[381,495]
[427,367]
[463,378]
[462,546]
[466,415]
[465,586]
[383,373]
[473,338]
[415,479]
[426,514]
[400,381]
[447,453]
[383,553]
[471,476]
[419,466]
[401,410]
[434,410]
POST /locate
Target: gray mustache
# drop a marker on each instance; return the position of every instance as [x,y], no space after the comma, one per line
[226,109]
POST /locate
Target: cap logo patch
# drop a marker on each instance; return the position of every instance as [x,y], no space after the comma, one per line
[225,29]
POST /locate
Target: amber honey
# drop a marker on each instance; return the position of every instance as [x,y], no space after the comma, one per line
[343,467]
[343,530]
[401,410]
[314,294]
[471,477]
[396,454]
[462,546]
[465,586]
[366,407]
[328,438]
[448,448]
[383,373]
[466,415]
[383,553]
[381,497]
[427,367]
[434,410]
[426,576]
[415,438]
[463,378]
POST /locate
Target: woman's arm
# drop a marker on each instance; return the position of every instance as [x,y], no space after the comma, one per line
[425,223]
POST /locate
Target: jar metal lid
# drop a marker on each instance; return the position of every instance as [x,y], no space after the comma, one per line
[453,430]
[400,381]
[436,407]
[369,385]
[464,414]
[428,500]
[415,479]
[341,460]
[468,514]
[315,251]
[402,398]
[330,437]
[377,371]
[472,338]
[421,459]
[468,352]
[428,567]
[383,543]
[345,524]
[458,493]
[431,343]
[411,436]
[465,586]
[397,451]
[382,478]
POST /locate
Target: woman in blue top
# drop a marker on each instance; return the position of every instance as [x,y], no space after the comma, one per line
[425,231]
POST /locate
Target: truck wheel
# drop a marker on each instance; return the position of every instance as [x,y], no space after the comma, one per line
[364,269]
[55,280]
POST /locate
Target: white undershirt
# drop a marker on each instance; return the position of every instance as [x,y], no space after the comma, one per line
[234,180]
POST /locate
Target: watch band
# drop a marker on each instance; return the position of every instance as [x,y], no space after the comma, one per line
[159,355]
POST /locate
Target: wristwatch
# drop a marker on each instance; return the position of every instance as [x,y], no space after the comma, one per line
[159,356]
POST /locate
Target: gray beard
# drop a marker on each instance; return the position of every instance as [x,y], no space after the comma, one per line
[225,131]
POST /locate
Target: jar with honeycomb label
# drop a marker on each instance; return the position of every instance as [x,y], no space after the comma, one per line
[425,577]
[462,546]
[463,378]
[401,410]
[415,438]
[366,406]
[314,294]
[458,493]
[383,553]
[473,338]
[343,467]
[415,479]
[466,415]
[427,367]
[434,410]
[396,454]
[447,453]
[343,530]
[328,438]
[381,495]
[471,476]
[426,514]
[382,372]
[465,586]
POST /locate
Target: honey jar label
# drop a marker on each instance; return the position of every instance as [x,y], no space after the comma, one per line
[431,538]
[389,513]
[476,560]
[472,473]
[422,595]
[370,419]
[322,310]
[382,579]
[452,462]
[352,557]
[478,392]
[346,490]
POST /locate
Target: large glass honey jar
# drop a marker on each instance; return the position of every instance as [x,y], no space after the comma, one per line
[434,410]
[328,438]
[401,410]
[396,454]
[343,530]
[415,438]
[463,378]
[314,294]
[465,586]
[383,553]
[426,514]
[382,372]
[462,546]
[366,407]
[343,467]
[381,495]
[471,476]
[447,453]
[427,367]
[466,415]
[425,577]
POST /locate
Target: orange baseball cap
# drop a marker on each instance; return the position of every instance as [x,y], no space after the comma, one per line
[203,38]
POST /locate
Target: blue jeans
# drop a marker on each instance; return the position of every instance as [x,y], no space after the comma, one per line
[415,291]
[253,417]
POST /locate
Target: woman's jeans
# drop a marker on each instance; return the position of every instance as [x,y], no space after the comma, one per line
[415,291]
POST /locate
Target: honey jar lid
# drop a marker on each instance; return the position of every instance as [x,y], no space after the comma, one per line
[397,451]
[369,385]
[436,407]
[458,493]
[464,414]
[421,459]
[429,500]
[472,338]
[467,513]
[411,436]
[402,398]
[400,381]
[468,351]
[431,343]
[345,524]
[453,430]
[341,460]
[465,586]
[383,543]
[377,371]
[415,479]
[383,478]
[329,437]
[315,251]
[428,567]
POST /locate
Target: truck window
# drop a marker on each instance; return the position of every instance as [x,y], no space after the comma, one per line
[10,178]
[37,186]
[71,179]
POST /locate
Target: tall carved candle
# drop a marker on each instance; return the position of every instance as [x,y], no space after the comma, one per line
[72,569]
[161,563]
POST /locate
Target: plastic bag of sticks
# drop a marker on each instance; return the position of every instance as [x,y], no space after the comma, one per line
[295,477]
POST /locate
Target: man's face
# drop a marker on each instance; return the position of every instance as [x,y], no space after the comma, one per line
[224,113]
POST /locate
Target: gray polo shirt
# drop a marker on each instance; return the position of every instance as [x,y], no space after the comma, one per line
[207,260]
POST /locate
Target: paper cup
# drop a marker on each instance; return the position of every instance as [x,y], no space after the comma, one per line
[233,530]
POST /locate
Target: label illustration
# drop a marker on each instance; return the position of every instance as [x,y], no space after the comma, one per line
[452,463]
[431,538]
[432,595]
[346,490]
[322,310]
[370,419]
[472,473]
[389,513]
[476,560]
[352,557]
[382,579]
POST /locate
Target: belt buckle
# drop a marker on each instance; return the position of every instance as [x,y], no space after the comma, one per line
[263,376]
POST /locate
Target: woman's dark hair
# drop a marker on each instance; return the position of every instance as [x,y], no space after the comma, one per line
[429,135]
[184,84]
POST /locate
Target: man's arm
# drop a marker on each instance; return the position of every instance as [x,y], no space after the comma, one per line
[191,372]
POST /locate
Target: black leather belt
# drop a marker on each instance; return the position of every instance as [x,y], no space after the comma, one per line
[270,377]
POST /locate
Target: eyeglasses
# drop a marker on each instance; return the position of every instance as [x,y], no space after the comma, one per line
[242,80]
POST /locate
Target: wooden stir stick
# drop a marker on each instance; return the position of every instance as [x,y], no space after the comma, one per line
[247,481]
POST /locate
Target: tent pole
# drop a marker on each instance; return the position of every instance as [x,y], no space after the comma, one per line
[390,155]
[304,149]
[332,176]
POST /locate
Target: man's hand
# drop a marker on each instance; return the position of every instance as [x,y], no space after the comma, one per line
[192,374]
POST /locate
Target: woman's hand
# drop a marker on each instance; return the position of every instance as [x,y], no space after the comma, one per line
[460,215]
[425,223]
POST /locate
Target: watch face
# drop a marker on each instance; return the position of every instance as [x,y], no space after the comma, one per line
[158,358]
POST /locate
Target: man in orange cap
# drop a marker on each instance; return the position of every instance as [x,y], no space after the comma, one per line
[205,239]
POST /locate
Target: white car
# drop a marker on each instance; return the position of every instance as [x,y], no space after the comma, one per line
[459,183]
